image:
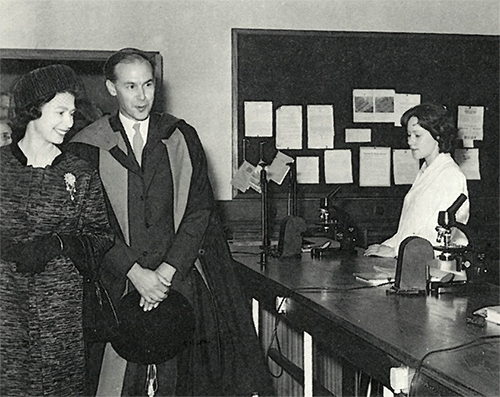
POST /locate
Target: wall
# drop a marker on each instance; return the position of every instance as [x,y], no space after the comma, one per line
[194,37]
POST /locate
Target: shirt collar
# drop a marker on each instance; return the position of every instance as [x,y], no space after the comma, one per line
[438,161]
[128,124]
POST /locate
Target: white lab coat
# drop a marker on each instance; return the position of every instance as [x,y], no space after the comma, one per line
[435,189]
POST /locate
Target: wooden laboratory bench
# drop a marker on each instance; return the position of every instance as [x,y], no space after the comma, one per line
[332,323]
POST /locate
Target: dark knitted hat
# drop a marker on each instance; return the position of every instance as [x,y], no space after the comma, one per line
[154,336]
[44,82]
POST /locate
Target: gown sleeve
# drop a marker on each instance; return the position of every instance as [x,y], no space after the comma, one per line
[200,204]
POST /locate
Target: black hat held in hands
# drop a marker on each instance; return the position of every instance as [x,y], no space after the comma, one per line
[152,337]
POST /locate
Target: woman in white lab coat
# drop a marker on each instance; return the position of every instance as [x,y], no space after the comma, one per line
[439,182]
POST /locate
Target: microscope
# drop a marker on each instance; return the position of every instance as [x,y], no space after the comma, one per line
[461,264]
[329,225]
[336,224]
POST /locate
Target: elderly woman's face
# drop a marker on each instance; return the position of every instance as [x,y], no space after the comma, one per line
[421,142]
[56,119]
[5,134]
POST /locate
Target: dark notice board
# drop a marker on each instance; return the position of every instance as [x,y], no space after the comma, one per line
[319,67]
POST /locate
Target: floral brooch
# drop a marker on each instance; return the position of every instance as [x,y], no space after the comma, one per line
[70,180]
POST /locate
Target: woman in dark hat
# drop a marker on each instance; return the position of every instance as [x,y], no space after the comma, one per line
[53,216]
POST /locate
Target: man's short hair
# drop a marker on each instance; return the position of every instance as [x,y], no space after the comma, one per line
[125,55]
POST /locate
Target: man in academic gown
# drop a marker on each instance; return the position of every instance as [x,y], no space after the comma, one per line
[161,205]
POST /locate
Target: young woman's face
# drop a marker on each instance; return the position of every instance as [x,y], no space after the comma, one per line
[56,119]
[421,142]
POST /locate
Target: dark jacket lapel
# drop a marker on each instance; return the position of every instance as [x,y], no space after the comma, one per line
[127,160]
[105,134]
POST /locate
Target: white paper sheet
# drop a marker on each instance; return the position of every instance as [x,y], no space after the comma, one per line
[241,179]
[403,102]
[405,167]
[279,168]
[289,127]
[338,166]
[307,169]
[373,106]
[374,166]
[255,179]
[358,135]
[320,127]
[470,124]
[258,119]
[468,160]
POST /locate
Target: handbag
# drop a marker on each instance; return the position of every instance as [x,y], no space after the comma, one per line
[100,319]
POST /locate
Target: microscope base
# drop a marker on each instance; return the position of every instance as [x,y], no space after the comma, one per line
[458,287]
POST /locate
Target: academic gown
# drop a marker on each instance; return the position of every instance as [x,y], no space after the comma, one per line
[164,211]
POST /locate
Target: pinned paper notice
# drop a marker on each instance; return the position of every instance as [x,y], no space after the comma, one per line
[289,127]
[358,135]
[403,102]
[468,160]
[470,124]
[255,179]
[405,167]
[338,166]
[307,169]
[279,168]
[320,131]
[258,119]
[373,106]
[241,179]
[374,166]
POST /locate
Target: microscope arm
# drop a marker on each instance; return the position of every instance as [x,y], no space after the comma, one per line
[466,230]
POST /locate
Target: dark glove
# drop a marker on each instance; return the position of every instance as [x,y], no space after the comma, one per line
[78,250]
[33,256]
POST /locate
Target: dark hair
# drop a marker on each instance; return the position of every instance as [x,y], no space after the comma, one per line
[23,116]
[436,119]
[36,88]
[127,55]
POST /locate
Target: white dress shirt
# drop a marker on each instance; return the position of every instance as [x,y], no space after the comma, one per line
[128,124]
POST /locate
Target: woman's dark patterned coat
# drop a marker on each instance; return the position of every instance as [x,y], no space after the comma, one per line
[41,335]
